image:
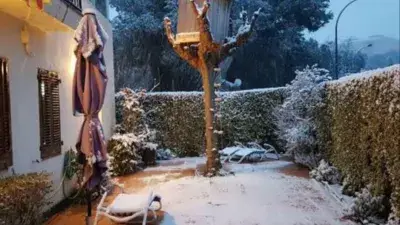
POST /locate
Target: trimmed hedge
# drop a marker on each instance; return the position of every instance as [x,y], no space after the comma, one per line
[22,198]
[178,118]
[364,134]
[248,116]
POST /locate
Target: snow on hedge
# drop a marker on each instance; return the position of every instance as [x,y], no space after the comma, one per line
[370,74]
[177,118]
[364,137]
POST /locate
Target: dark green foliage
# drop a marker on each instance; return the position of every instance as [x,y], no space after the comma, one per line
[279,47]
[143,57]
[247,116]
[179,122]
[71,165]
[364,134]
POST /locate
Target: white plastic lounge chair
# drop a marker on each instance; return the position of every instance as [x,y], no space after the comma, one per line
[128,208]
[255,152]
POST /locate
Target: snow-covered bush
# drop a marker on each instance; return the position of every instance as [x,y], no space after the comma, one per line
[133,115]
[127,152]
[368,208]
[349,188]
[394,216]
[165,154]
[326,172]
[134,131]
[296,118]
[124,157]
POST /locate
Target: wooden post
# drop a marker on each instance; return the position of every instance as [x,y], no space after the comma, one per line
[213,163]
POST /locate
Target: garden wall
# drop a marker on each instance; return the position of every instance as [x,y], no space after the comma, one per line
[364,134]
[178,118]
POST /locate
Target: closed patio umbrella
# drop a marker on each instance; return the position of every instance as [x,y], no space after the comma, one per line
[89,87]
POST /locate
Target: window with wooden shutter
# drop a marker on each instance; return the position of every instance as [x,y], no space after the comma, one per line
[49,112]
[5,117]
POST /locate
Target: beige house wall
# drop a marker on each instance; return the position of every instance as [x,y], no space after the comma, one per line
[52,51]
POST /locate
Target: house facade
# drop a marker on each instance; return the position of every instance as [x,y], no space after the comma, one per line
[37,125]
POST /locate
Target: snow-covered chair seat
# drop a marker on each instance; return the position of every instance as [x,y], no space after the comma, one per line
[254,153]
[126,203]
[227,152]
[128,208]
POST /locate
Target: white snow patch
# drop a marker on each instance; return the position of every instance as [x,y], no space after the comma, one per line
[178,164]
[262,196]
[159,178]
[258,167]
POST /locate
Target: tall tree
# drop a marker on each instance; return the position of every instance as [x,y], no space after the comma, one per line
[206,56]
[142,53]
[277,49]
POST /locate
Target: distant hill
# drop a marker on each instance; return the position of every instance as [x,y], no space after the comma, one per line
[385,51]
[380,44]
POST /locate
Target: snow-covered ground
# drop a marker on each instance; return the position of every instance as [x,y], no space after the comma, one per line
[256,195]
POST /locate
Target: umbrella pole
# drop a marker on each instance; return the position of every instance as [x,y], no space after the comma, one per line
[89,207]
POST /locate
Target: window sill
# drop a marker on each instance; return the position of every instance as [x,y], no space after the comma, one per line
[47,152]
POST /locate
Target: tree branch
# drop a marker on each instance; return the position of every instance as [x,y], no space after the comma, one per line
[200,13]
[243,16]
[194,8]
[168,31]
[204,11]
[183,51]
[242,36]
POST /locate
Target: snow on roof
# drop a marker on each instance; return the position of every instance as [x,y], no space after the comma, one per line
[367,74]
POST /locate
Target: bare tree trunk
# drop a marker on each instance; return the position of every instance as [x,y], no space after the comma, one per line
[213,163]
[204,56]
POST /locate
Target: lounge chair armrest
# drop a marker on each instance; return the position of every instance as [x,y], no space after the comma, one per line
[103,198]
[100,206]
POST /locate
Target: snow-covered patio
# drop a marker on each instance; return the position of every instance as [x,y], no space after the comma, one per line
[256,194]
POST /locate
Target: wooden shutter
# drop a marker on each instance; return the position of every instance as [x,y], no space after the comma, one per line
[49,112]
[5,117]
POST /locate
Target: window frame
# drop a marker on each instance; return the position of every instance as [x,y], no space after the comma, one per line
[6,157]
[50,128]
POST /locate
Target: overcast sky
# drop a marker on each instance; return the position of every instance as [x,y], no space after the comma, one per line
[362,19]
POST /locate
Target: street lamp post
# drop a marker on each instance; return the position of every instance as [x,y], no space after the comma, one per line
[362,48]
[358,51]
[336,39]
